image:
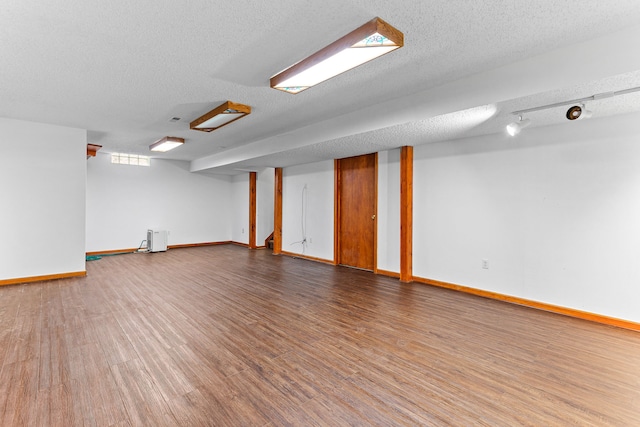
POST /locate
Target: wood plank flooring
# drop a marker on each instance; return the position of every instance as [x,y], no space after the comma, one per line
[225,336]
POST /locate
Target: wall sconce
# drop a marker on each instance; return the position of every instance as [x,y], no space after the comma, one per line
[167,143]
[371,40]
[220,116]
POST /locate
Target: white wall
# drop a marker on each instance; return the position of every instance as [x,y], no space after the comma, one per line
[240,208]
[42,186]
[555,211]
[389,211]
[313,210]
[124,201]
[264,201]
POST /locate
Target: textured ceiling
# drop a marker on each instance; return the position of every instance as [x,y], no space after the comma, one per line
[122,70]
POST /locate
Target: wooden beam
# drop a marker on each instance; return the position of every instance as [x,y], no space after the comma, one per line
[406,214]
[253,180]
[277,213]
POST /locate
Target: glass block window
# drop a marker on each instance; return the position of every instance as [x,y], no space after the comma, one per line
[130,159]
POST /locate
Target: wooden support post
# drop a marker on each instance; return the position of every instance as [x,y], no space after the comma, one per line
[406,214]
[252,209]
[277,213]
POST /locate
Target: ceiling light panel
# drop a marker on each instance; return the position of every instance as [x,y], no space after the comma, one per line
[167,143]
[373,39]
[220,116]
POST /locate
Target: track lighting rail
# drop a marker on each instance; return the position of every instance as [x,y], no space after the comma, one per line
[577,101]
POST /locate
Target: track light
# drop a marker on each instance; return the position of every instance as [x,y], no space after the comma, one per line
[574,112]
[578,112]
[514,128]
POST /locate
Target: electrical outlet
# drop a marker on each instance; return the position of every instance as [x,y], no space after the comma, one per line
[485,264]
[243,231]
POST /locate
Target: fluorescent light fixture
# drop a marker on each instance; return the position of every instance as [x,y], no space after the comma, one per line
[167,143]
[373,39]
[514,128]
[220,116]
[92,149]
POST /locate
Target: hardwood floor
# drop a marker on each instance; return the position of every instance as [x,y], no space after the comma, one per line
[224,336]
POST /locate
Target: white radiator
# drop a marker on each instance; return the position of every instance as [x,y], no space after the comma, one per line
[157,240]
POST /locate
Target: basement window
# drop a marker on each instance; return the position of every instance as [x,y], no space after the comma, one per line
[130,159]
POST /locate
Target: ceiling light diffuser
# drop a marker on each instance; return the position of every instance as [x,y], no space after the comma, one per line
[220,116]
[167,143]
[373,39]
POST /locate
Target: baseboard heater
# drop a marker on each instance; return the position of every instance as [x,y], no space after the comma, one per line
[157,240]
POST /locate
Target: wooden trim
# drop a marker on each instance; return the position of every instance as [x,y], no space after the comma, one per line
[406,214]
[388,273]
[253,179]
[307,257]
[113,252]
[21,280]
[239,244]
[336,212]
[598,318]
[277,213]
[196,245]
[375,212]
[135,250]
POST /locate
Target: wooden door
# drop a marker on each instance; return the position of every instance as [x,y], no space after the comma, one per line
[356,202]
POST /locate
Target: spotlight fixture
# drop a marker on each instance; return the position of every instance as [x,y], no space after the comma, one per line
[220,116]
[371,40]
[574,112]
[167,143]
[514,128]
[578,112]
